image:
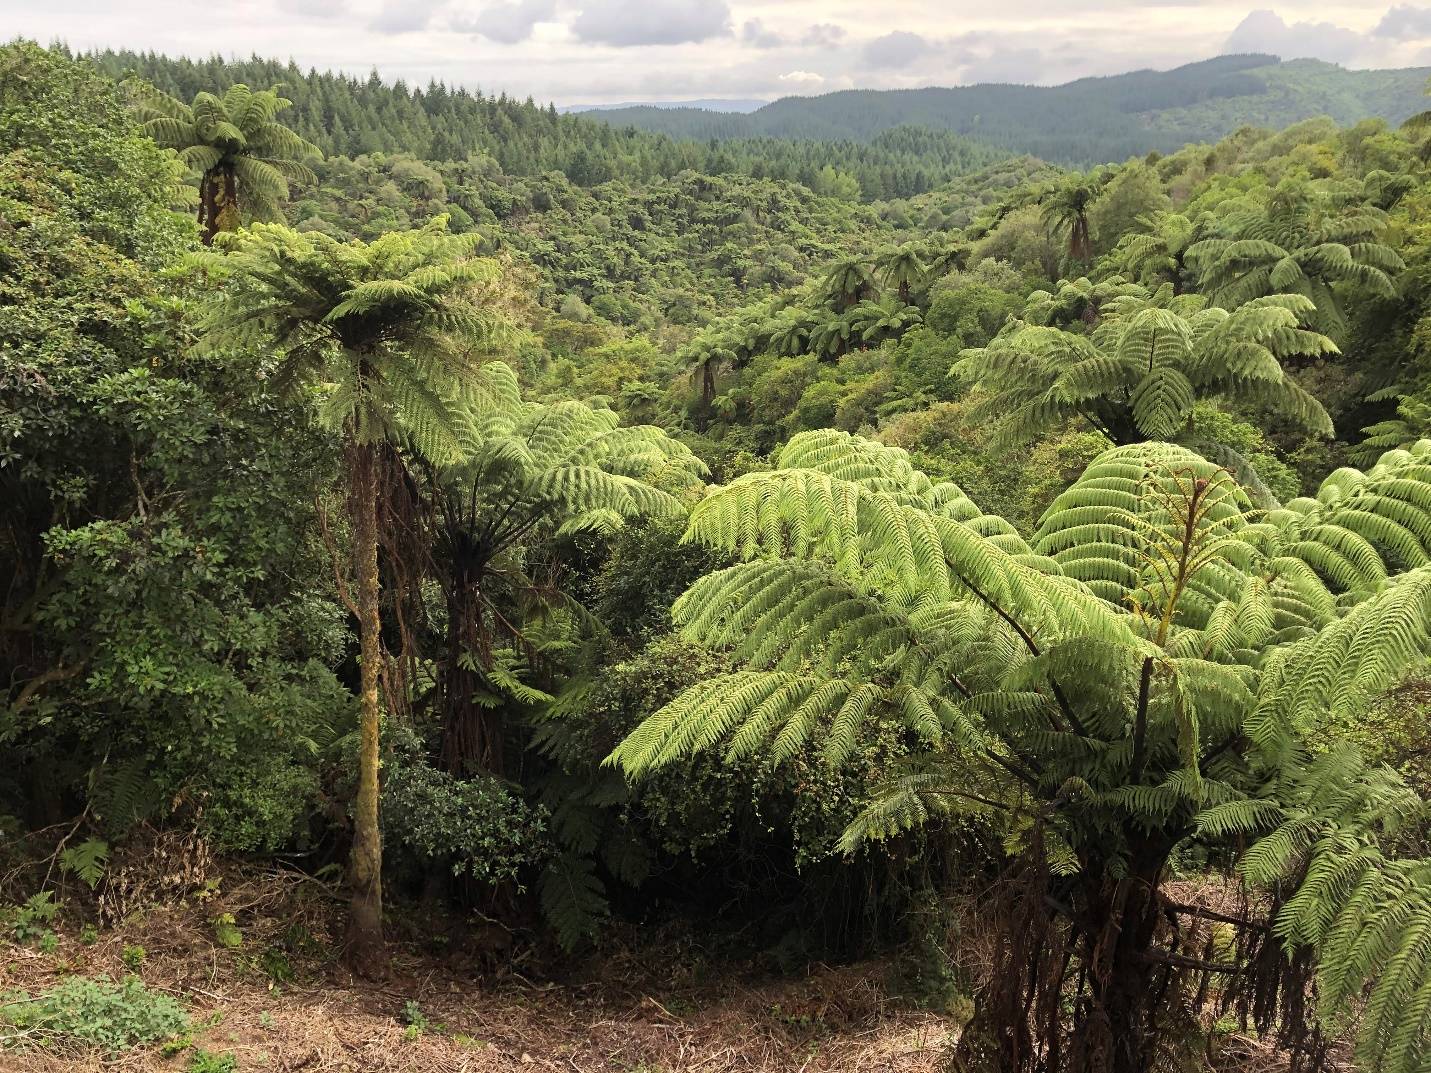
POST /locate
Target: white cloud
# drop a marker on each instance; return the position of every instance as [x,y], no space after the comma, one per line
[1266,31]
[1403,23]
[757,35]
[823,35]
[509,21]
[405,16]
[318,9]
[594,50]
[896,49]
[802,78]
[643,22]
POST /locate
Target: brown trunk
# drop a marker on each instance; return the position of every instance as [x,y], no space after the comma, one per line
[471,733]
[1115,1032]
[365,950]
[218,202]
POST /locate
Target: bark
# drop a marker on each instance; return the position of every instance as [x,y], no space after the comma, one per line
[365,949]
[471,733]
[218,202]
[1116,1030]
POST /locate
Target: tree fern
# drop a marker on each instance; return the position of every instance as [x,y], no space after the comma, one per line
[1146,671]
[1149,358]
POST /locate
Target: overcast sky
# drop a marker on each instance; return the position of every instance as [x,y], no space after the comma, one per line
[581,51]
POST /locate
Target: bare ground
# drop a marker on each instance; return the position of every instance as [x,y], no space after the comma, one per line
[657,1006]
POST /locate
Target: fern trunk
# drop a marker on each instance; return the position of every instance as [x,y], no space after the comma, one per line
[1115,1030]
[365,949]
[471,732]
[218,202]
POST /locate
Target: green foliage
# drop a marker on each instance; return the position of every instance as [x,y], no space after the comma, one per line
[1154,652]
[86,861]
[202,1061]
[475,827]
[226,931]
[245,158]
[32,918]
[1146,363]
[1304,239]
[166,616]
[388,325]
[95,1012]
[264,811]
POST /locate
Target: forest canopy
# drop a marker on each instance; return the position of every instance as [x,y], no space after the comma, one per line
[503,522]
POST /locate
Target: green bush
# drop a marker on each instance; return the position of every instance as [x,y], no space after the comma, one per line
[95,1011]
[477,827]
[260,811]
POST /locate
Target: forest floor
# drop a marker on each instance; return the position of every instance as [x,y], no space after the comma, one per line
[276,1001]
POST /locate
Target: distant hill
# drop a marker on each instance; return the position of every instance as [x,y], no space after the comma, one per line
[1092,120]
[713,104]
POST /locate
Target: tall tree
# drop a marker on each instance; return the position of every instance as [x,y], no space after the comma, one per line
[1144,678]
[877,321]
[848,282]
[1157,253]
[388,335]
[1064,211]
[903,270]
[245,158]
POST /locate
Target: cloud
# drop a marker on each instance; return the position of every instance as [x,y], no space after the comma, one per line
[823,35]
[1266,31]
[318,9]
[404,16]
[1016,65]
[896,49]
[645,22]
[802,78]
[1404,23]
[507,22]
[754,33]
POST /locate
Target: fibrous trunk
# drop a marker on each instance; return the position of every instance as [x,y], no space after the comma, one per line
[1072,988]
[471,732]
[365,924]
[218,202]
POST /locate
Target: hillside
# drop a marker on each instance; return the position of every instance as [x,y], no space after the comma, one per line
[1092,120]
[352,117]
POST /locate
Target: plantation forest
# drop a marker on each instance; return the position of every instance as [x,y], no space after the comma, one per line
[929,582]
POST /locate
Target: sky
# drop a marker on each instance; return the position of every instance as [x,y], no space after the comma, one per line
[602,51]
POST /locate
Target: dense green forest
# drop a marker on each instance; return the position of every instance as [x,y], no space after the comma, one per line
[354,118]
[520,533]
[1091,121]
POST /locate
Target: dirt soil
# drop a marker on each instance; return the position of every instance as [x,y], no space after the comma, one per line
[660,1005]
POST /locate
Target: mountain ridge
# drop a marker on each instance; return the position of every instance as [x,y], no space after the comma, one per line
[1086,121]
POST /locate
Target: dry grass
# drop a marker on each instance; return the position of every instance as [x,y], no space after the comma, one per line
[657,1008]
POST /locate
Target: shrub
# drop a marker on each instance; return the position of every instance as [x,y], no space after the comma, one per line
[96,1011]
[476,827]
